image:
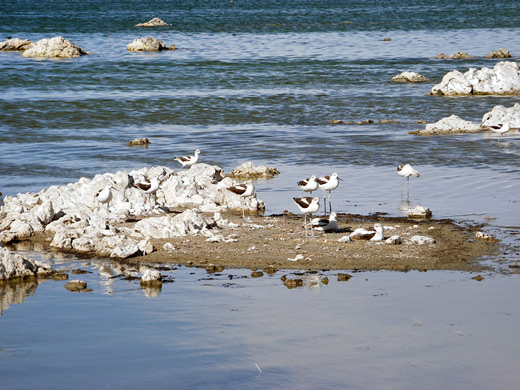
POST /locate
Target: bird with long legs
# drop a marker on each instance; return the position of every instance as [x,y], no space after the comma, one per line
[245,190]
[406,170]
[308,205]
[328,184]
[149,188]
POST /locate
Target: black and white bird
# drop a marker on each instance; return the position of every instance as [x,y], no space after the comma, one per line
[148,187]
[308,205]
[501,128]
[325,224]
[308,185]
[328,184]
[406,170]
[188,160]
[104,195]
[373,235]
[245,190]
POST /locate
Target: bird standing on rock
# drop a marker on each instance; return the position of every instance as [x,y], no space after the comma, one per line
[104,196]
[245,190]
[189,160]
[308,205]
[148,187]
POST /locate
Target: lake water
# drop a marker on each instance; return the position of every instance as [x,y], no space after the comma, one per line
[260,81]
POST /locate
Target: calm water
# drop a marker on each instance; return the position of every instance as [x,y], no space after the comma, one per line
[260,81]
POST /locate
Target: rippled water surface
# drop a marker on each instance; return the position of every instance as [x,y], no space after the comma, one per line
[261,81]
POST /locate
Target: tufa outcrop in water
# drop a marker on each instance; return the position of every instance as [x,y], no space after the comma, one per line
[76,221]
[248,171]
[155,22]
[16,267]
[503,79]
[409,77]
[460,55]
[15,44]
[500,53]
[499,115]
[148,44]
[57,47]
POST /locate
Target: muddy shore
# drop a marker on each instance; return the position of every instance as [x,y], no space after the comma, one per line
[272,241]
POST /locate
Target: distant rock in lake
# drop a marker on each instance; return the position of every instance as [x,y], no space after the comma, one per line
[409,77]
[16,44]
[148,44]
[155,22]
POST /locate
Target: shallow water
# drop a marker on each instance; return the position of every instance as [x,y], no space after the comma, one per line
[260,81]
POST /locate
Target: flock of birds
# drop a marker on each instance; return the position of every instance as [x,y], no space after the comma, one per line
[306,204]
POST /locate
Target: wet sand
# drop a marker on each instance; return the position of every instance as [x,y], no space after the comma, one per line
[270,242]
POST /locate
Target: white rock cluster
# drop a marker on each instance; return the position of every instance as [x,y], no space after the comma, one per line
[455,125]
[503,79]
[14,266]
[77,222]
[57,47]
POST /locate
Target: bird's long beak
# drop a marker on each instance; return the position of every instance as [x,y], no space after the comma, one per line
[339,178]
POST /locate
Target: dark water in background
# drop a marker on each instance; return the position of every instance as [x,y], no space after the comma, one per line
[260,81]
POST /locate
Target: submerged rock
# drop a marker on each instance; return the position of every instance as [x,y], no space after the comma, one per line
[76,285]
[409,77]
[139,142]
[151,277]
[16,44]
[503,79]
[57,47]
[248,171]
[155,22]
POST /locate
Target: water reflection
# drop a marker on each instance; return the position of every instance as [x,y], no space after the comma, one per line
[16,292]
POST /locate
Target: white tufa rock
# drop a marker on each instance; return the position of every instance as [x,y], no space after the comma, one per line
[409,77]
[15,44]
[502,115]
[421,240]
[57,47]
[450,125]
[394,240]
[297,257]
[151,277]
[345,239]
[155,22]
[14,266]
[146,44]
[420,212]
[503,79]
[248,171]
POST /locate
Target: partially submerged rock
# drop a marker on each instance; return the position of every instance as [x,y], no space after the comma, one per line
[148,44]
[409,77]
[460,55]
[450,125]
[155,22]
[16,267]
[15,44]
[502,115]
[57,47]
[420,212]
[500,53]
[151,277]
[248,171]
[76,285]
[503,79]
[139,142]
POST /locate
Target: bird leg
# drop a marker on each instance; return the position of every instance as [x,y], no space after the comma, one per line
[305,224]
[330,205]
[312,230]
